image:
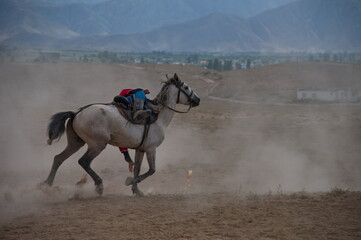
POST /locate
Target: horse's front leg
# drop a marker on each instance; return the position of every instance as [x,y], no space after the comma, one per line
[137,165]
[138,178]
[151,163]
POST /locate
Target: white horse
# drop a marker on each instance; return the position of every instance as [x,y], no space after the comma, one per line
[99,125]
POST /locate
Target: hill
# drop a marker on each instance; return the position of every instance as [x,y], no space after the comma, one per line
[305,25]
[216,32]
[114,17]
[16,18]
[279,83]
[311,25]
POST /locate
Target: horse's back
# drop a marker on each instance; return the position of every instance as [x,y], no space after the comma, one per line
[105,123]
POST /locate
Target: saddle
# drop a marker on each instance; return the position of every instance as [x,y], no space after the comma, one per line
[125,109]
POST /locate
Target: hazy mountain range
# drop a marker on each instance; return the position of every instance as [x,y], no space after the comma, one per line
[184,25]
[61,2]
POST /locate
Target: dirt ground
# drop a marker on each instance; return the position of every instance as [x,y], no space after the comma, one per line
[261,169]
[195,216]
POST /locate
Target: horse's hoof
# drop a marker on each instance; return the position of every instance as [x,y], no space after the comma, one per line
[129,181]
[43,185]
[137,192]
[99,189]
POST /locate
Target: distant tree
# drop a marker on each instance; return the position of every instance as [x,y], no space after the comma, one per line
[352,57]
[210,64]
[340,58]
[101,56]
[248,63]
[335,57]
[192,59]
[227,65]
[113,57]
[264,61]
[85,58]
[238,65]
[326,57]
[311,58]
[195,58]
[108,57]
[105,54]
[217,65]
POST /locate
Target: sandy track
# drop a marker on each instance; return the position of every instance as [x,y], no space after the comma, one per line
[213,216]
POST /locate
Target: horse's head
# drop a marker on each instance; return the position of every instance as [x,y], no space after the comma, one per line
[185,95]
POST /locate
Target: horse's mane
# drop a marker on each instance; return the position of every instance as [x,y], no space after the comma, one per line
[162,95]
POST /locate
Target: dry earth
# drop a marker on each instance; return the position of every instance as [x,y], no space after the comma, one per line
[264,167]
[201,216]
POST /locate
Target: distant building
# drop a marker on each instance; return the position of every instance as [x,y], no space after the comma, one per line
[48,57]
[329,95]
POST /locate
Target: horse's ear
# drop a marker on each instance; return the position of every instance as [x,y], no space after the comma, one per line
[176,77]
[167,76]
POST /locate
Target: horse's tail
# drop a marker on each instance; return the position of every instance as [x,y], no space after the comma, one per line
[56,126]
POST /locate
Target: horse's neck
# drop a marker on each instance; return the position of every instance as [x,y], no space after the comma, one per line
[166,115]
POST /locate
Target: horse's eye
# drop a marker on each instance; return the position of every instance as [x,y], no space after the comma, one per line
[186,87]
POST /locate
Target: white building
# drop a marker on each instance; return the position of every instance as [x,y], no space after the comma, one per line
[329,95]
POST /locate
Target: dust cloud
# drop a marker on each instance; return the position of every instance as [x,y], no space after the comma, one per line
[31,93]
[286,150]
[237,148]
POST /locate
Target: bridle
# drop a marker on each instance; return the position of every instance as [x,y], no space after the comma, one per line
[179,85]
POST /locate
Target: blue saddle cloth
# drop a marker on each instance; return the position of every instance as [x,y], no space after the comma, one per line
[137,94]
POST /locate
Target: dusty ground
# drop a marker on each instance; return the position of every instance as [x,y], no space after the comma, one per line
[200,216]
[261,169]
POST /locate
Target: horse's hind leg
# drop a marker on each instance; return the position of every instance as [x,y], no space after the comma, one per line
[85,162]
[74,144]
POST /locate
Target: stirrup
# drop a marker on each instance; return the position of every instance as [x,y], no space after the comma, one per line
[142,114]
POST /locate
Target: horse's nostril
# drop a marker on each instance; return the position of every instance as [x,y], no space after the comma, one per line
[195,102]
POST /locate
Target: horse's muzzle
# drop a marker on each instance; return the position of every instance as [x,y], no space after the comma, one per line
[195,101]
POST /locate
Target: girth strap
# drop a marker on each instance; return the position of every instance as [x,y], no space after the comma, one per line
[145,134]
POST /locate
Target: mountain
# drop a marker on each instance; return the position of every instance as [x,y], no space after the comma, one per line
[311,24]
[79,17]
[111,17]
[137,16]
[303,25]
[16,18]
[215,32]
[62,2]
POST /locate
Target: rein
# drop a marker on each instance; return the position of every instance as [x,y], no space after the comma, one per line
[177,111]
[82,108]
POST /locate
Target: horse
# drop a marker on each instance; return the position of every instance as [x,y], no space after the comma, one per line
[98,125]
